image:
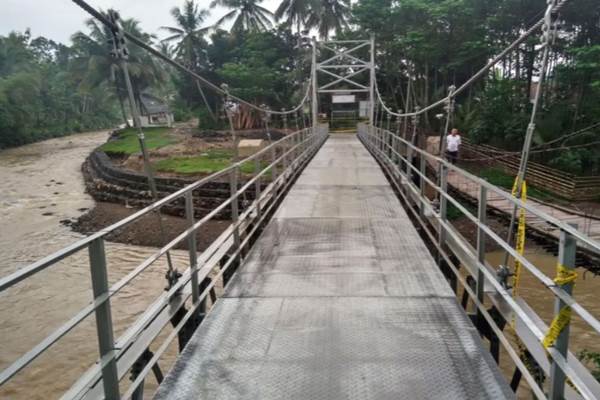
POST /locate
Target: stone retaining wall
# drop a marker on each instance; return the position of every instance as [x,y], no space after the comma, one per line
[107,182]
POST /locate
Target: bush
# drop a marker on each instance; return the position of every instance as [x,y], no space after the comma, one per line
[207,122]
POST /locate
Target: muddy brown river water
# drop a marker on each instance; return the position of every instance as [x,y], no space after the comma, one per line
[40,185]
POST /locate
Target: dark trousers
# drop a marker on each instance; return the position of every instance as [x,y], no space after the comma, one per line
[452,156]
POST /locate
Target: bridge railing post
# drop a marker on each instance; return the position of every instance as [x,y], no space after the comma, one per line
[481,221]
[422,183]
[567,249]
[104,327]
[233,198]
[443,207]
[193,252]
[257,189]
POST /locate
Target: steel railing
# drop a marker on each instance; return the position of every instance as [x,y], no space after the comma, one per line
[398,158]
[284,160]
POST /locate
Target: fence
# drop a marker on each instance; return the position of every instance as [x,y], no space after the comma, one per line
[565,185]
[283,160]
[406,166]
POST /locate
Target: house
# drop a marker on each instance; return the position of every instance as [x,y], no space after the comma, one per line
[154,112]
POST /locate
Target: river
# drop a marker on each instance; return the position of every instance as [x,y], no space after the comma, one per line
[40,185]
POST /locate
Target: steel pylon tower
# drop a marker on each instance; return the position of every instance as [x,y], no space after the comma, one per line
[346,66]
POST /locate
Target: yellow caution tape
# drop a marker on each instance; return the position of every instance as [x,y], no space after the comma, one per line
[564,276]
[520,242]
[556,327]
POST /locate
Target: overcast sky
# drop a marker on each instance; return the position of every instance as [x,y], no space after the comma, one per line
[59,19]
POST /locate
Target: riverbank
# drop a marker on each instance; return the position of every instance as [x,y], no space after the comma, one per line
[144,231]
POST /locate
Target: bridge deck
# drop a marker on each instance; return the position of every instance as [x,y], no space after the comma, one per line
[338,299]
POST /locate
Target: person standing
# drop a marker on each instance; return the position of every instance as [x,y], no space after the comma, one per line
[452,145]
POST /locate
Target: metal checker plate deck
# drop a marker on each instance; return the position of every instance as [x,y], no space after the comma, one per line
[339,299]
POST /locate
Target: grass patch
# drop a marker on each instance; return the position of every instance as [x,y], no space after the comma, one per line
[127,141]
[212,161]
[500,178]
[453,213]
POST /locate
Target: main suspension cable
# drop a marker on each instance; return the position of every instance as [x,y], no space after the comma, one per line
[140,43]
[478,74]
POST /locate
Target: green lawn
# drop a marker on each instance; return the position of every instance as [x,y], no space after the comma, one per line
[127,142]
[212,161]
[500,178]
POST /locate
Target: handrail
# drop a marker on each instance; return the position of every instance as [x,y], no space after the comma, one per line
[296,147]
[22,273]
[378,141]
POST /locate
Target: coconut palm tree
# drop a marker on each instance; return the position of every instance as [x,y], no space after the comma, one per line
[247,15]
[189,35]
[295,12]
[95,66]
[329,15]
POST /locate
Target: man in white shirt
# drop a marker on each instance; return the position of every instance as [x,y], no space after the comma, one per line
[452,145]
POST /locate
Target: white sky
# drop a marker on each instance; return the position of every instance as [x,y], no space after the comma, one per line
[59,19]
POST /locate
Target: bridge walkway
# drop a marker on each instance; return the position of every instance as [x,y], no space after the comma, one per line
[339,299]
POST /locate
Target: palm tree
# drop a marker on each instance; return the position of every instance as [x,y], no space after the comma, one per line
[189,34]
[95,66]
[295,12]
[247,15]
[329,15]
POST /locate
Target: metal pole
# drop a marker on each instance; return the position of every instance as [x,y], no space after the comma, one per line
[408,87]
[314,105]
[443,208]
[230,109]
[423,171]
[549,34]
[121,52]
[192,250]
[481,220]
[398,145]
[104,328]
[415,122]
[449,112]
[233,187]
[372,82]
[257,187]
[566,258]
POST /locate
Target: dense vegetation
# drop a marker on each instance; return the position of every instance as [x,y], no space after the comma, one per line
[48,88]
[442,42]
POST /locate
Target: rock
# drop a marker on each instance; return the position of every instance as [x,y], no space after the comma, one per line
[46,214]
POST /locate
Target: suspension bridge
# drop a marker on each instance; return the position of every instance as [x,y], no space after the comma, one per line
[339,280]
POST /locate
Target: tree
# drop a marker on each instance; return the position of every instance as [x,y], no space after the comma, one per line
[95,65]
[247,15]
[295,12]
[329,15]
[258,68]
[189,34]
[39,96]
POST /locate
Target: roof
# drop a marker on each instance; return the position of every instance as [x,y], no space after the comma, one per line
[152,105]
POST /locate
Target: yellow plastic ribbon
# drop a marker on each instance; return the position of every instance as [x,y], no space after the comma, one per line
[556,327]
[520,242]
[564,276]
